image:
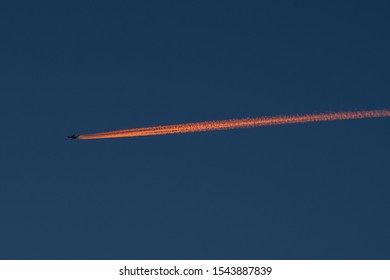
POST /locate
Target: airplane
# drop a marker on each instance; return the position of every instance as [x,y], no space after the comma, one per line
[73,136]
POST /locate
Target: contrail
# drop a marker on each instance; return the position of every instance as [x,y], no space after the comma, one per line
[233,124]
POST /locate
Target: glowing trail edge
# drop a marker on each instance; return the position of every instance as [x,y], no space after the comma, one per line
[235,124]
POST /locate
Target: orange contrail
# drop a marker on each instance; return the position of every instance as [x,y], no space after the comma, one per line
[234,124]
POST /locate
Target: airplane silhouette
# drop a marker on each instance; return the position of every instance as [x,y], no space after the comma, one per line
[73,136]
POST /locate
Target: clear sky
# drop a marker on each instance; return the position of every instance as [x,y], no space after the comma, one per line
[304,191]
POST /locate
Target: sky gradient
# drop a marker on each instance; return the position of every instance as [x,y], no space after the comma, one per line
[301,191]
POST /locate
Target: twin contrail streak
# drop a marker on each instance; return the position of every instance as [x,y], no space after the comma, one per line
[234,124]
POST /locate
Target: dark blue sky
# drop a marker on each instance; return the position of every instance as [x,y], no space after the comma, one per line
[305,191]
